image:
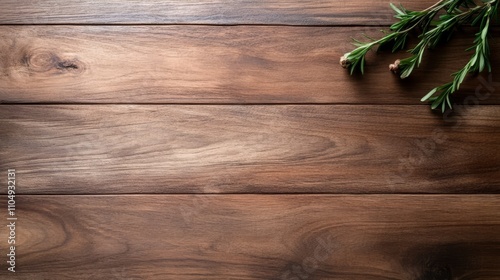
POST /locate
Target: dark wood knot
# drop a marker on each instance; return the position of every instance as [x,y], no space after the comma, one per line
[46,61]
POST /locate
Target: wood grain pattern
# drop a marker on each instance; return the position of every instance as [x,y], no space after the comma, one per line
[251,149]
[258,237]
[207,139]
[295,12]
[206,64]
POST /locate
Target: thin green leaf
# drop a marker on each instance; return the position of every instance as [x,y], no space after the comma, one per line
[362,66]
[428,95]
[398,11]
[448,101]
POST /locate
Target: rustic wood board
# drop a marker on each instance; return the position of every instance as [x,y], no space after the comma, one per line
[296,12]
[217,139]
[212,64]
[93,149]
[259,237]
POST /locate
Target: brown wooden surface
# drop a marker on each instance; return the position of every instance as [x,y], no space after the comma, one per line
[220,139]
[208,64]
[295,12]
[259,237]
[252,149]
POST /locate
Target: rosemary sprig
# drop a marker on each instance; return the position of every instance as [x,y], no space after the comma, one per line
[408,20]
[452,14]
[442,31]
[479,60]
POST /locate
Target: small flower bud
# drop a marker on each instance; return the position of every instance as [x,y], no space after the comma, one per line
[344,62]
[395,66]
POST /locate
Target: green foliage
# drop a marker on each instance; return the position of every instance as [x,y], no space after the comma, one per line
[436,25]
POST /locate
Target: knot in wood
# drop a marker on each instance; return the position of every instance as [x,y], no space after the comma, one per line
[46,61]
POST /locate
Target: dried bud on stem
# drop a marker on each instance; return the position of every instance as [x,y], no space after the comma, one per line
[395,66]
[344,62]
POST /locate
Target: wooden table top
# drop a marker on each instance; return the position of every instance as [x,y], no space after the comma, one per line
[222,140]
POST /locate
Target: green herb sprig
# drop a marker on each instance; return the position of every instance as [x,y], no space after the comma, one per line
[436,25]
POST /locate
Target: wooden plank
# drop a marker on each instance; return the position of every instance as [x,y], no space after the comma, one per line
[206,64]
[257,237]
[296,12]
[247,149]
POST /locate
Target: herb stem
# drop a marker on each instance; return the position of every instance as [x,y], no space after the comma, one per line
[432,33]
